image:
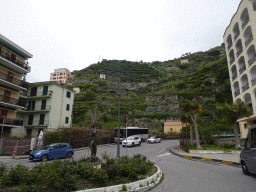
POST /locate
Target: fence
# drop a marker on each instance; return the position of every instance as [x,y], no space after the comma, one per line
[21,146]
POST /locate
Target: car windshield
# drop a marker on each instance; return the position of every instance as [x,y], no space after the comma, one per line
[46,147]
[152,137]
[130,138]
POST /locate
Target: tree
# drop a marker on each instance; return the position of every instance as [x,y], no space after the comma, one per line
[232,113]
[193,109]
[185,118]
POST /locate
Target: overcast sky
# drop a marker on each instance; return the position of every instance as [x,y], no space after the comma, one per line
[74,34]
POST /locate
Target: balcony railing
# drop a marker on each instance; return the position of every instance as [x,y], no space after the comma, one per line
[237,93]
[251,61]
[16,61]
[236,35]
[248,41]
[239,52]
[232,60]
[242,69]
[253,81]
[234,77]
[229,46]
[14,80]
[245,87]
[9,121]
[11,100]
[38,108]
[39,93]
[38,122]
[245,21]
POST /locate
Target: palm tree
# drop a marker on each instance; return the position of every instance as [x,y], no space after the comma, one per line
[185,118]
[193,109]
[232,113]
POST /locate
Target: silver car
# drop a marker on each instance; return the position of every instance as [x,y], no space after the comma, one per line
[154,139]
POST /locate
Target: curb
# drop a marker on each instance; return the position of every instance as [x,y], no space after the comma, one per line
[26,157]
[137,186]
[204,158]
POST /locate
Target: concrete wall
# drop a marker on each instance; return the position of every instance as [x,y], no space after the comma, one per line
[175,128]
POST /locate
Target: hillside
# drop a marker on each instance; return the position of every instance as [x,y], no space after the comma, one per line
[150,92]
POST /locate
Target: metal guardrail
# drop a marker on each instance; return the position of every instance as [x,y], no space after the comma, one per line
[10,121]
[13,80]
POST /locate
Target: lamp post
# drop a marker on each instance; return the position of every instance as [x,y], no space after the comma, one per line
[118,132]
[70,126]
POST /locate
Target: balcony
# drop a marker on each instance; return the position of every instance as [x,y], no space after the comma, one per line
[251,61]
[11,102]
[234,77]
[245,87]
[237,93]
[229,46]
[242,69]
[12,82]
[39,94]
[236,35]
[245,21]
[10,122]
[248,41]
[232,60]
[239,52]
[37,123]
[253,81]
[38,108]
[14,63]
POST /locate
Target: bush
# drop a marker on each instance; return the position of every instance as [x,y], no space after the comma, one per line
[228,145]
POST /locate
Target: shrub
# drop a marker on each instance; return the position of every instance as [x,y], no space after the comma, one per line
[228,145]
[99,177]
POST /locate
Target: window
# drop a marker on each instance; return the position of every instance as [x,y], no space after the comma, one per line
[66,120]
[41,121]
[67,108]
[29,132]
[68,94]
[253,138]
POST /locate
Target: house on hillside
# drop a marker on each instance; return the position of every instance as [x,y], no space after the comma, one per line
[61,76]
[172,126]
[184,61]
[13,66]
[240,41]
[48,106]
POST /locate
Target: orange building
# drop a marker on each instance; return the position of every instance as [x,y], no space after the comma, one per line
[61,76]
[172,126]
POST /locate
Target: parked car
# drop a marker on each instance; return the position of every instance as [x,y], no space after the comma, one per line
[154,139]
[248,153]
[52,151]
[131,141]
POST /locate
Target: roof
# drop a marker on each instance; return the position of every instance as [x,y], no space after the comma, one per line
[8,43]
[173,123]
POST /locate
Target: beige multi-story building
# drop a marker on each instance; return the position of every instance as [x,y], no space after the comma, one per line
[172,126]
[61,76]
[13,66]
[240,41]
[48,106]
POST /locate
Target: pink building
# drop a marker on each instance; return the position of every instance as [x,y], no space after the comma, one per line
[61,75]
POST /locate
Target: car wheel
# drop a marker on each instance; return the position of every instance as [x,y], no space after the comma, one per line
[160,141]
[155,141]
[139,143]
[132,144]
[245,169]
[69,155]
[44,158]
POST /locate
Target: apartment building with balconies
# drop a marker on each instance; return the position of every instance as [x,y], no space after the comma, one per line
[240,42]
[48,106]
[61,76]
[13,66]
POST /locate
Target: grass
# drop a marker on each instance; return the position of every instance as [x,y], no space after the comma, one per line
[214,147]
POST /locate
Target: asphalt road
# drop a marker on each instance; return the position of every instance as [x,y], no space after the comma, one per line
[181,175]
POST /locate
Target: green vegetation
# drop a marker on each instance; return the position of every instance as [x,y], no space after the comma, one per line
[75,175]
[224,146]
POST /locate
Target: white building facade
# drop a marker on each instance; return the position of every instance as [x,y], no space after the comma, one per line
[240,42]
[48,106]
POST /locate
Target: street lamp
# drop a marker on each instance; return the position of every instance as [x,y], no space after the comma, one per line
[118,132]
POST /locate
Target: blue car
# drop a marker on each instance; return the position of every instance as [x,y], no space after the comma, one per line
[52,151]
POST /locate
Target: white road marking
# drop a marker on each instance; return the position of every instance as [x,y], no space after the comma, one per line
[162,150]
[165,154]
